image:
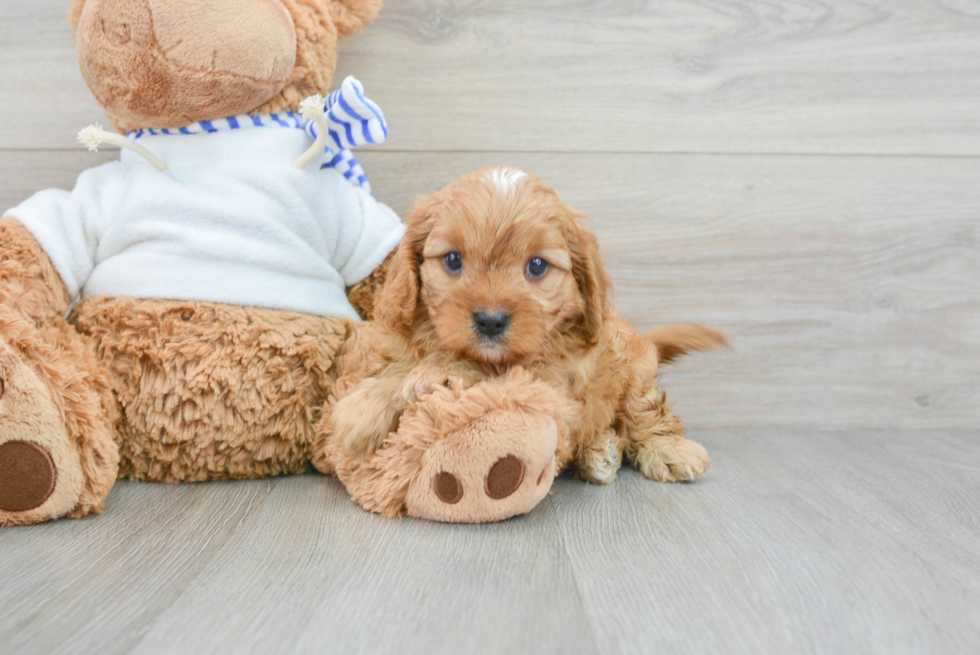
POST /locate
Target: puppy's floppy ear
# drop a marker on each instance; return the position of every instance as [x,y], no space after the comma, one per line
[352,16]
[397,301]
[590,274]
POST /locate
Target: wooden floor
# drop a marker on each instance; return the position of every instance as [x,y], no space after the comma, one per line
[804,175]
[797,542]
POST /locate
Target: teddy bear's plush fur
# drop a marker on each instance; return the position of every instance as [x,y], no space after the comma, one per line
[167,390]
[496,360]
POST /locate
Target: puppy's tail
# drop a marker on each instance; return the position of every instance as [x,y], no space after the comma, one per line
[672,341]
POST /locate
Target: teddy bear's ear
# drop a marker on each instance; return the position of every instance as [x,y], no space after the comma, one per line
[351,16]
[74,11]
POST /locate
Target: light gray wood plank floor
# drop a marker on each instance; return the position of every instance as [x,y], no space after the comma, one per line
[797,541]
[803,175]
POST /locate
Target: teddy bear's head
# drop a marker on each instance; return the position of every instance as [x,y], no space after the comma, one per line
[170,63]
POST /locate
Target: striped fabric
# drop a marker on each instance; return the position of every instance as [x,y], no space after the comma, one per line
[353,120]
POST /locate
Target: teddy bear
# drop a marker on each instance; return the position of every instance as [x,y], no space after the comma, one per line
[176,317]
[496,360]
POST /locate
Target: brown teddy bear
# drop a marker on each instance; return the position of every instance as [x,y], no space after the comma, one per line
[177,315]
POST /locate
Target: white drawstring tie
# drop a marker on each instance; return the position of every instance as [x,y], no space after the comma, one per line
[312,110]
[93,136]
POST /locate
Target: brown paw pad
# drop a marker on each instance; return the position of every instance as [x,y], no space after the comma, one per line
[27,476]
[447,488]
[504,477]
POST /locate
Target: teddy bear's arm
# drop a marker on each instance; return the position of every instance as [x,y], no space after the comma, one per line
[66,225]
[361,295]
[366,235]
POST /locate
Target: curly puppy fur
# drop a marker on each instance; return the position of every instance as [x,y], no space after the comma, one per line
[561,328]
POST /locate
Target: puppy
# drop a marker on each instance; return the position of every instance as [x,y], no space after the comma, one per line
[496,272]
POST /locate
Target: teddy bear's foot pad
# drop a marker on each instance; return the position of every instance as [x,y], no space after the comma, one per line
[27,476]
[41,473]
[505,477]
[499,466]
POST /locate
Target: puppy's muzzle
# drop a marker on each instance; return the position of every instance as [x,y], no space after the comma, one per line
[490,325]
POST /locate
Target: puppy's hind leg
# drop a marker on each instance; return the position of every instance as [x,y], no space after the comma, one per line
[656,444]
[600,461]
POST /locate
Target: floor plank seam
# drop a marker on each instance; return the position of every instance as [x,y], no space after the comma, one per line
[618,153]
[575,578]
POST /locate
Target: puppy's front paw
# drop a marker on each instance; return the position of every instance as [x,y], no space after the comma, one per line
[358,435]
[362,420]
[426,378]
[421,382]
[600,462]
[671,459]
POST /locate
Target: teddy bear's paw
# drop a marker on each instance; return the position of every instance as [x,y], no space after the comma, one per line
[41,475]
[671,459]
[500,465]
[600,463]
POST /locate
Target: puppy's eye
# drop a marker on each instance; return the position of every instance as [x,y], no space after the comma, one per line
[453,262]
[537,267]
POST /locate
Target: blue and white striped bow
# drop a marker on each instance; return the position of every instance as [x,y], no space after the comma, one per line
[352,118]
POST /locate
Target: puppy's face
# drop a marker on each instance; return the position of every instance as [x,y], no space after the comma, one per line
[502,266]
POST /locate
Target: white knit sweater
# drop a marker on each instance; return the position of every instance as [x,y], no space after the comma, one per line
[230,221]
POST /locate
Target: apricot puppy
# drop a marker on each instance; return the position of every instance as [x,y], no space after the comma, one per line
[495,273]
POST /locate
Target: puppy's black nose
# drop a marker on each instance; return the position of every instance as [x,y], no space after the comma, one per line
[490,325]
